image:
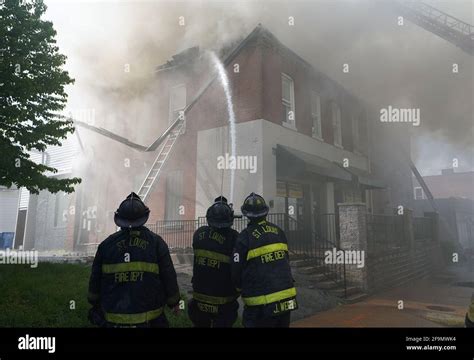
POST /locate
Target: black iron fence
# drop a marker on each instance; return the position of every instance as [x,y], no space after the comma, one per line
[327,227]
[388,232]
[303,242]
[178,234]
[385,233]
[241,222]
[398,249]
[423,228]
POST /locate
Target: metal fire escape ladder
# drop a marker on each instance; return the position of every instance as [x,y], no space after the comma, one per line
[155,170]
[445,26]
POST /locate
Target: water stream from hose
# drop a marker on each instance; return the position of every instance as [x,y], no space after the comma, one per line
[224,80]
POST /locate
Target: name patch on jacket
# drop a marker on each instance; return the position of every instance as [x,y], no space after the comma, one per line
[285,306]
[213,309]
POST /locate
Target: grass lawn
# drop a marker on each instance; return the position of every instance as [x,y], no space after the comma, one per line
[41,297]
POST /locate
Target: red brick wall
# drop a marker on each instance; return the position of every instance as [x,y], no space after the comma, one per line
[257,94]
[209,112]
[275,62]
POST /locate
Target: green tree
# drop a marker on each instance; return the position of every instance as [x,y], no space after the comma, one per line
[32,96]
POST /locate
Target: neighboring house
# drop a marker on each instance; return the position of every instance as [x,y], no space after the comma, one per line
[454,198]
[448,184]
[44,218]
[13,209]
[9,199]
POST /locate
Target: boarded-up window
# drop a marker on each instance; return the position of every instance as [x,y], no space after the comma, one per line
[174,195]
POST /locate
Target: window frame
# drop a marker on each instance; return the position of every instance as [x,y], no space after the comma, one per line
[422,193]
[336,123]
[355,126]
[171,111]
[173,181]
[288,103]
[58,221]
[319,134]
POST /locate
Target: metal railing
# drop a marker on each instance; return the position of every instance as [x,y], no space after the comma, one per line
[178,234]
[422,228]
[303,243]
[313,245]
[327,227]
[385,233]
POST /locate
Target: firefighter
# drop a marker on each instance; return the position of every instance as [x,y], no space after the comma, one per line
[133,276]
[214,302]
[261,269]
[469,321]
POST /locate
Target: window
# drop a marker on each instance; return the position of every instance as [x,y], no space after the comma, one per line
[316,114]
[61,203]
[419,193]
[336,124]
[177,101]
[174,192]
[355,132]
[288,100]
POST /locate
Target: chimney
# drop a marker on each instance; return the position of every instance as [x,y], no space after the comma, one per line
[447,171]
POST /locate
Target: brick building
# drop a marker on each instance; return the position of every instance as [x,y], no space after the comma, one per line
[315,144]
[300,160]
[447,184]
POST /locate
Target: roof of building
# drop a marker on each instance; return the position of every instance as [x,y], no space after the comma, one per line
[227,55]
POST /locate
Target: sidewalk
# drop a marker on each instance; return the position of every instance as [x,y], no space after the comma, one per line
[439,301]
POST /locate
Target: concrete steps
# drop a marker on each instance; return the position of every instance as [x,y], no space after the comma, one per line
[317,276]
[359,296]
[302,263]
[308,270]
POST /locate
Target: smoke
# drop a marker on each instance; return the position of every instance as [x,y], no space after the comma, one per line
[113,47]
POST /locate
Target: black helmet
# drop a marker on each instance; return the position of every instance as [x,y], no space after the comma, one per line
[220,199]
[220,214]
[254,206]
[132,212]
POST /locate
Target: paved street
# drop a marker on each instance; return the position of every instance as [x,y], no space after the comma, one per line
[436,302]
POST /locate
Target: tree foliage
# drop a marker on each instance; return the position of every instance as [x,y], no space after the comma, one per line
[32,96]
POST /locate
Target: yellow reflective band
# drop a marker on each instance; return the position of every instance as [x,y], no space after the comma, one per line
[212,255]
[270,298]
[262,250]
[214,300]
[130,266]
[133,318]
